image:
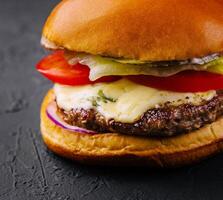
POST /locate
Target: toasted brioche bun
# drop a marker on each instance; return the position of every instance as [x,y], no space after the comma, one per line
[142,29]
[117,149]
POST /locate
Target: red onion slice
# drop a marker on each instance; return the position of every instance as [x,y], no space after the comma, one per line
[51,112]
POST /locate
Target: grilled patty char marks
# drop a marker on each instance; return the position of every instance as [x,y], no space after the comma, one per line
[165,121]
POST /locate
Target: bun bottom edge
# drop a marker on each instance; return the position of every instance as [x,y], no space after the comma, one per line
[114,149]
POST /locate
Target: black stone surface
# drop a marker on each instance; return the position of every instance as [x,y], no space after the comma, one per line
[29,171]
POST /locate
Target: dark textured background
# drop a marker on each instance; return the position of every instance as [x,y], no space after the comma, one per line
[29,171]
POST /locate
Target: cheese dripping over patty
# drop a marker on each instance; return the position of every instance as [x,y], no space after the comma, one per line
[122,100]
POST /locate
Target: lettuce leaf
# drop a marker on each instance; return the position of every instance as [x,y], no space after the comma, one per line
[101,66]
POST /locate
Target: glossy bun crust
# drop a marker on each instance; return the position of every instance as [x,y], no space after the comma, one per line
[117,149]
[142,29]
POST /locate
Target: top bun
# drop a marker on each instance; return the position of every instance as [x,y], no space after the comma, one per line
[151,30]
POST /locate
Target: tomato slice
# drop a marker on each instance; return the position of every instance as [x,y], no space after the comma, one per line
[187,81]
[56,68]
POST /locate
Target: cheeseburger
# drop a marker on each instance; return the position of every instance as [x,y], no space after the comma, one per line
[136,82]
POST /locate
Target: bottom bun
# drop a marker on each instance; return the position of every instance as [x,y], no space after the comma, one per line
[117,149]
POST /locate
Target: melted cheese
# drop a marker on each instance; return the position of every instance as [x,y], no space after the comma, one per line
[126,101]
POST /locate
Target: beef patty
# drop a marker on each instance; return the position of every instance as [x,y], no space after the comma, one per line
[164,121]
